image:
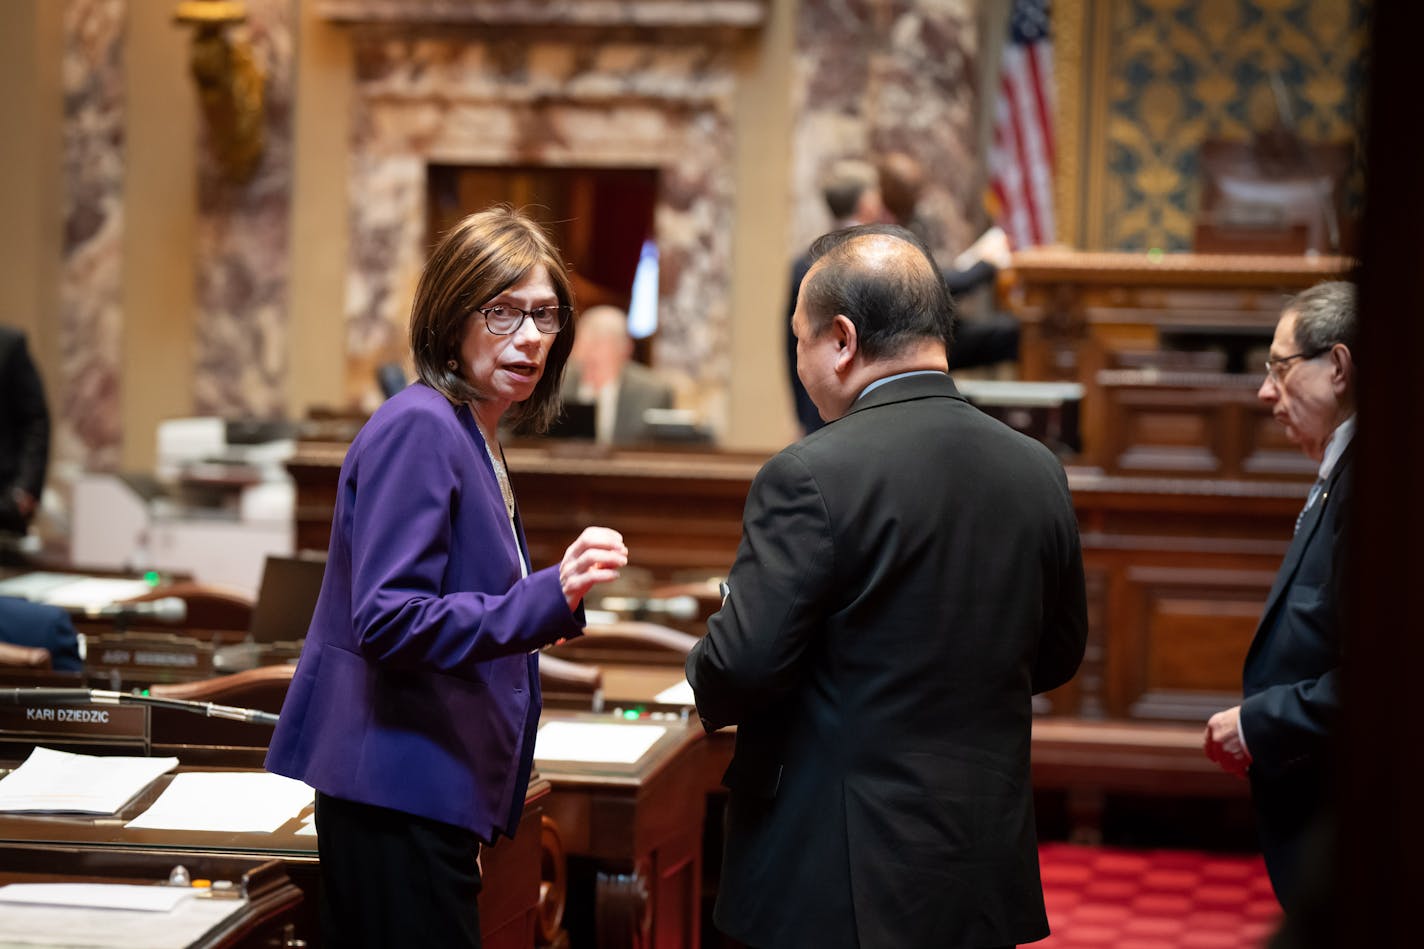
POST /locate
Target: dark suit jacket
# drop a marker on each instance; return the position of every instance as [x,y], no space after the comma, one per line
[24,428]
[1291,682]
[908,577]
[417,689]
[37,624]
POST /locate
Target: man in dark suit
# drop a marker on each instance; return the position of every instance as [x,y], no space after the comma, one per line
[909,575]
[24,433]
[1279,735]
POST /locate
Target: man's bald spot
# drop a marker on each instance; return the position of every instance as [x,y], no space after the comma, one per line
[603,322]
[877,254]
[887,254]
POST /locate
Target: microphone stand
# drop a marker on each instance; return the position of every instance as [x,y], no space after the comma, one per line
[106,697]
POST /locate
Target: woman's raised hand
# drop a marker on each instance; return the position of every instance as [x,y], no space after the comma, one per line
[596,557]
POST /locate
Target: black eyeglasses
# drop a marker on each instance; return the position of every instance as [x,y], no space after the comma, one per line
[1277,366]
[503,320]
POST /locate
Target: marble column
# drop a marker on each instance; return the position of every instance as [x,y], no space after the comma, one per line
[242,243]
[86,420]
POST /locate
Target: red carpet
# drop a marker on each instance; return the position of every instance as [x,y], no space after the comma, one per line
[1102,898]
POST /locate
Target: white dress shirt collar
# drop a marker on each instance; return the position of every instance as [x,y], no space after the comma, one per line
[1335,446]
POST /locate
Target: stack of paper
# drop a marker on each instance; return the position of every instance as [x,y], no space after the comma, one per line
[108,916]
[595,742]
[59,782]
[230,802]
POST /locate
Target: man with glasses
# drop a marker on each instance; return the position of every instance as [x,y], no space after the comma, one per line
[909,575]
[1279,735]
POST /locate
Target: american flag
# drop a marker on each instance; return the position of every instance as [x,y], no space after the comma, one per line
[1021,158]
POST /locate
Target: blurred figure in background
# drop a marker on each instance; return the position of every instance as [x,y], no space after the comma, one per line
[984,341]
[23,623]
[852,192]
[24,434]
[602,373]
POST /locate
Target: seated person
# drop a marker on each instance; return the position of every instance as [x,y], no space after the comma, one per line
[601,372]
[23,623]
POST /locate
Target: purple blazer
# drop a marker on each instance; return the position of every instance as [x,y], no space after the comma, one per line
[417,688]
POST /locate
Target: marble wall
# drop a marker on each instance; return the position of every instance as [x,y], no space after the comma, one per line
[630,102]
[870,75]
[874,76]
[86,422]
[241,257]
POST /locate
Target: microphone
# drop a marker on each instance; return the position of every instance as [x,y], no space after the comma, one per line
[168,609]
[106,697]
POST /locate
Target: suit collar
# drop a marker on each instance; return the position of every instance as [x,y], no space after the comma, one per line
[906,389]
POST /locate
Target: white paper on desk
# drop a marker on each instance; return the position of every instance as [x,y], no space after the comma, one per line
[226,801]
[34,586]
[87,592]
[69,926]
[153,899]
[601,742]
[680,694]
[60,782]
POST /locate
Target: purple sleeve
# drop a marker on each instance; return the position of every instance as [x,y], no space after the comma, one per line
[407,488]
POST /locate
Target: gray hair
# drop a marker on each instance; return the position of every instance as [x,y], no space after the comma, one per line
[1325,315]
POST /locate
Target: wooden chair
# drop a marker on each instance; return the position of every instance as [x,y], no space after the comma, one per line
[570,684]
[210,607]
[627,642]
[641,662]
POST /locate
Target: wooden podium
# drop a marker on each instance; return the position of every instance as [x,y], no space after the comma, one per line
[1079,309]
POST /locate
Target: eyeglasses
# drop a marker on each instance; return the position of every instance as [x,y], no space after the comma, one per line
[1278,366]
[503,320]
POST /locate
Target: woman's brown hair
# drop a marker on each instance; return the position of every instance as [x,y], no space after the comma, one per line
[479,258]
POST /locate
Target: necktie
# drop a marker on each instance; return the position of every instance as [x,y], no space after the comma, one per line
[1315,490]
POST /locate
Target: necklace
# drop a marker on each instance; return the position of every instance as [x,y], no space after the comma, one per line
[501,473]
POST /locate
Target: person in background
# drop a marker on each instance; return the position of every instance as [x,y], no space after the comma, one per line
[602,373]
[908,577]
[1280,735]
[23,623]
[978,342]
[414,705]
[852,194]
[24,434]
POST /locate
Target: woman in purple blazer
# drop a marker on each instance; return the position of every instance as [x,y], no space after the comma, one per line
[414,705]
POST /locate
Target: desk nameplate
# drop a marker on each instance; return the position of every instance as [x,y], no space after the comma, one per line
[104,724]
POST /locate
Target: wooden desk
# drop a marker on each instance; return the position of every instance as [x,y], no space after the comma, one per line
[271,916]
[677,510]
[1178,568]
[1077,308]
[641,826]
[1193,424]
[33,846]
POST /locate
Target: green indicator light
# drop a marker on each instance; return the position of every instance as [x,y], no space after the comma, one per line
[630,713]
[144,692]
[152,578]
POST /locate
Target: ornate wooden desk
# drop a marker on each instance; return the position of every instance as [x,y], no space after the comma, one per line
[1077,309]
